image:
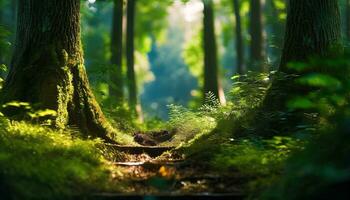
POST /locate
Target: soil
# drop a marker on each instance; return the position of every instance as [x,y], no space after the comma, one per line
[142,171]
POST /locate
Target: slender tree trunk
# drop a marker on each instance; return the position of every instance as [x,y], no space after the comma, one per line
[130,34]
[277,32]
[47,68]
[14,11]
[211,75]
[257,52]
[347,20]
[116,85]
[1,51]
[313,29]
[239,37]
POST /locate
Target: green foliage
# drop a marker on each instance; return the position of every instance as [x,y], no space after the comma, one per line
[4,47]
[213,123]
[23,110]
[312,161]
[4,33]
[322,169]
[320,80]
[3,68]
[189,125]
[253,157]
[194,56]
[39,163]
[150,21]
[328,83]
[249,90]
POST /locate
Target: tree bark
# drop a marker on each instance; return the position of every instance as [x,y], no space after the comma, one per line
[130,48]
[116,85]
[211,75]
[239,38]
[277,33]
[257,52]
[313,29]
[14,11]
[1,51]
[347,21]
[47,68]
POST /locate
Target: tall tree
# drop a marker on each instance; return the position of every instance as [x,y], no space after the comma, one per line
[211,74]
[130,48]
[47,67]
[116,86]
[347,20]
[14,11]
[313,29]
[257,52]
[1,53]
[239,37]
[276,25]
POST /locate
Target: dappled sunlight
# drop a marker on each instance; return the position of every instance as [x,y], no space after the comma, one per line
[174,99]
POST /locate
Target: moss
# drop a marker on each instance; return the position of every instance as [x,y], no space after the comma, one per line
[40,163]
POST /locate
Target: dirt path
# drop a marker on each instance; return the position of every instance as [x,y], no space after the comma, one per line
[143,173]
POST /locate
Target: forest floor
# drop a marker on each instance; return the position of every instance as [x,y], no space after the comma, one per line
[164,173]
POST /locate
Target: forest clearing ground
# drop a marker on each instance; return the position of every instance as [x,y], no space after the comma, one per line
[157,170]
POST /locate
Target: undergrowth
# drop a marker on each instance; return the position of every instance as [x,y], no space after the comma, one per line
[309,161]
[40,163]
[212,123]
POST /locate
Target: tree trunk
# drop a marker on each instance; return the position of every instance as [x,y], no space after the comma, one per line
[257,52]
[130,34]
[14,12]
[277,33]
[313,29]
[239,38]
[116,85]
[1,42]
[347,21]
[47,68]
[211,76]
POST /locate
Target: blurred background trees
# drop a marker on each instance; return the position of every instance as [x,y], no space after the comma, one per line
[171,48]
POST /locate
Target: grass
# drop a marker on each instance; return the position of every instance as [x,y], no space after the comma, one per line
[37,162]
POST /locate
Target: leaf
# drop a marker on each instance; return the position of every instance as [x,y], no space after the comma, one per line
[17,104]
[298,66]
[236,90]
[236,77]
[300,103]
[320,80]
[3,68]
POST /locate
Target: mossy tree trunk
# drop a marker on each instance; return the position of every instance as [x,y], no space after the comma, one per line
[130,59]
[116,85]
[47,68]
[1,53]
[257,50]
[211,71]
[239,37]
